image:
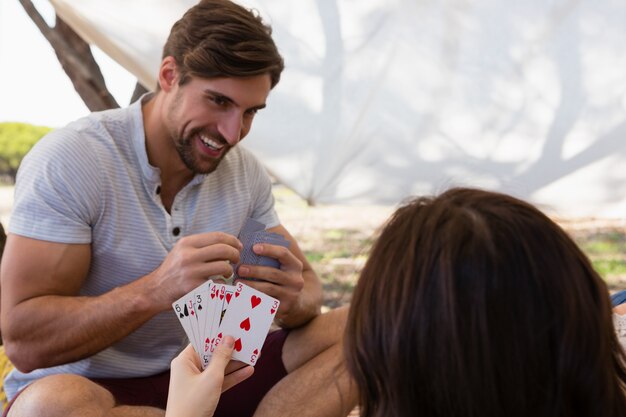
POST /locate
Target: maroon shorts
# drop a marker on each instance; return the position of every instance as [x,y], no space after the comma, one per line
[152,390]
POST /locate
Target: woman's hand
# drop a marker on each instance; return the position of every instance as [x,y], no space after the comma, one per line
[195,393]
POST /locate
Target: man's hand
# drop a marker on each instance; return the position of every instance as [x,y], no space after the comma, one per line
[295,284]
[285,284]
[191,261]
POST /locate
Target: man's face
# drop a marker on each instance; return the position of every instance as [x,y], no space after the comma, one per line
[207,117]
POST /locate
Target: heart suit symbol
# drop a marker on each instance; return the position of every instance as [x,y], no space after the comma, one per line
[245,324]
[255,301]
[238,345]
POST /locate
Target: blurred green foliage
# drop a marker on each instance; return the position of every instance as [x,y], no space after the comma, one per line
[16,139]
[607,251]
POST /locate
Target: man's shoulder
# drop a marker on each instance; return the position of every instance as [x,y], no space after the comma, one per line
[84,143]
[93,126]
[110,123]
[104,131]
[239,157]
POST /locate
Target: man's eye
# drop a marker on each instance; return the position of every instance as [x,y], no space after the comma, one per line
[220,101]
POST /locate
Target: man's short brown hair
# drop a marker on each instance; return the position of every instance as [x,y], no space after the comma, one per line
[218,38]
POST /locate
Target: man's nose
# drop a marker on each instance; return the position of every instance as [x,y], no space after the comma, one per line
[231,128]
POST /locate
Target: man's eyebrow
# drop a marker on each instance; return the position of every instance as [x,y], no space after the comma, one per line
[214,93]
[223,96]
[259,107]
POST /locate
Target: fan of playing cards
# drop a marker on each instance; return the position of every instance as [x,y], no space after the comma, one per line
[214,310]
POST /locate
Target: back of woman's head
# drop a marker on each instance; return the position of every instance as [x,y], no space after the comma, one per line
[474,303]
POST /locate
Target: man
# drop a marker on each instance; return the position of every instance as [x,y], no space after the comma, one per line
[119,214]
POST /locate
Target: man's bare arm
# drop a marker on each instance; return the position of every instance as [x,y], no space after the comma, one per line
[44,321]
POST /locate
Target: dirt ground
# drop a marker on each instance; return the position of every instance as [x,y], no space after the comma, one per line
[336,240]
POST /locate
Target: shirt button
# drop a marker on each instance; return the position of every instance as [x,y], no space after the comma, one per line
[176,231]
[158,189]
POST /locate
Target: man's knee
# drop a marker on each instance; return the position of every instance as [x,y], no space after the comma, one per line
[62,395]
[320,334]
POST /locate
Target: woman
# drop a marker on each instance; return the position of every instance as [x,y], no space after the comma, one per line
[474,303]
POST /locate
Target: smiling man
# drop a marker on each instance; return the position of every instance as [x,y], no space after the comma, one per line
[121,213]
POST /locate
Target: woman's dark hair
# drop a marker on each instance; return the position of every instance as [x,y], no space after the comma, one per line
[3,239]
[475,303]
[219,38]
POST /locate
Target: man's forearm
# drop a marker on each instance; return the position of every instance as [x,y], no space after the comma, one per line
[309,304]
[52,330]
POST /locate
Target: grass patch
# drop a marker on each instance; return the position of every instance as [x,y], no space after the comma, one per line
[606,248]
[608,267]
[603,243]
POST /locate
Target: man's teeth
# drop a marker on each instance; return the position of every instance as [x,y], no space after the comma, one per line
[211,143]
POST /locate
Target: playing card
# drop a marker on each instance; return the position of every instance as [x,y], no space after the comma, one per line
[220,295]
[248,257]
[250,227]
[201,295]
[272,239]
[248,319]
[202,307]
[186,315]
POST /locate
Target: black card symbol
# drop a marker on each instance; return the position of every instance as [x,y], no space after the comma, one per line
[181,315]
[199,306]
[186,312]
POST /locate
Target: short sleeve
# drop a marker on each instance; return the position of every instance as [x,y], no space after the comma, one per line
[57,189]
[261,190]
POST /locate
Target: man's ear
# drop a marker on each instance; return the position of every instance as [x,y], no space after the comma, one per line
[168,73]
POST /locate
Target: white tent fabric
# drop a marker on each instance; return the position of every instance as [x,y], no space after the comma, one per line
[382,99]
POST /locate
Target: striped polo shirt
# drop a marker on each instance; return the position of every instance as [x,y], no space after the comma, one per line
[91,182]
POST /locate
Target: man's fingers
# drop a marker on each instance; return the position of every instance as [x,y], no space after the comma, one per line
[283,254]
[201,240]
[219,251]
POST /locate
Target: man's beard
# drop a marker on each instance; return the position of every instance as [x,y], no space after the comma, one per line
[191,159]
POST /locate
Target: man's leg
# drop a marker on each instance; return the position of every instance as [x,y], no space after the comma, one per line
[318,383]
[72,395]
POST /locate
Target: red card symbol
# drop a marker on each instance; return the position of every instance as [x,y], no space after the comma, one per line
[213,295]
[255,301]
[228,297]
[256,352]
[238,345]
[272,310]
[236,294]
[245,324]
